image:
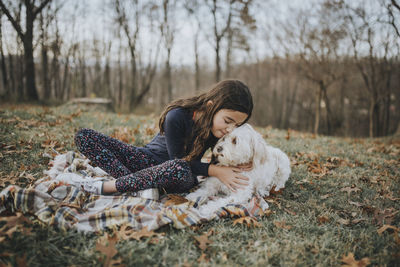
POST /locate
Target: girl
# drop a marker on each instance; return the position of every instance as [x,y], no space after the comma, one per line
[171,161]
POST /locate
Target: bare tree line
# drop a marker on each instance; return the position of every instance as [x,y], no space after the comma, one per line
[331,69]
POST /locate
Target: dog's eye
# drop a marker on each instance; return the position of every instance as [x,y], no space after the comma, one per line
[234,140]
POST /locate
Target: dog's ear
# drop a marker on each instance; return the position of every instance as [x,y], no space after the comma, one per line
[259,149]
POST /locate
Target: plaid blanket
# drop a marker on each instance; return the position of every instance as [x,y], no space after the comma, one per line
[66,206]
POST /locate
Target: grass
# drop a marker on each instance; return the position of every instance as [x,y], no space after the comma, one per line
[341,192]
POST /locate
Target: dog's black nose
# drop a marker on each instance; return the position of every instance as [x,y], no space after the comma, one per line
[219,149]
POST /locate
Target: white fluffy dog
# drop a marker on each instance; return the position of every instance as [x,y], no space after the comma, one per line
[271,167]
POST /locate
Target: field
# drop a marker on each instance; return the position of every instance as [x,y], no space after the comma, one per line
[340,206]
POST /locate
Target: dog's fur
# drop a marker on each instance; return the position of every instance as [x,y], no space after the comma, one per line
[271,167]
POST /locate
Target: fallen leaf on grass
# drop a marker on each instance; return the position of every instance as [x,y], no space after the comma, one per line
[124,134]
[282,225]
[343,221]
[326,196]
[106,246]
[203,240]
[49,143]
[203,258]
[350,261]
[357,204]
[248,221]
[386,227]
[323,219]
[13,224]
[317,169]
[287,134]
[290,212]
[21,261]
[126,233]
[349,190]
[384,216]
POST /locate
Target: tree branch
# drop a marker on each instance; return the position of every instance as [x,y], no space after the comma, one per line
[396,5]
[16,26]
[40,8]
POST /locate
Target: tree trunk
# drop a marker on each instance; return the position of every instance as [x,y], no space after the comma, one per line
[12,74]
[30,83]
[168,75]
[196,64]
[290,103]
[217,62]
[317,110]
[229,53]
[64,86]
[20,77]
[327,107]
[372,109]
[3,62]
[45,73]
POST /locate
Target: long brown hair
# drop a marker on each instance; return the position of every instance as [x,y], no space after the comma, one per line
[227,94]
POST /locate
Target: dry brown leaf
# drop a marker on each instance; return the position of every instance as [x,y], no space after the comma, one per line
[323,219]
[326,196]
[106,246]
[350,261]
[21,261]
[203,258]
[203,240]
[290,212]
[143,233]
[175,200]
[287,134]
[124,134]
[386,227]
[384,216]
[248,221]
[357,204]
[268,212]
[349,190]
[14,224]
[343,221]
[282,225]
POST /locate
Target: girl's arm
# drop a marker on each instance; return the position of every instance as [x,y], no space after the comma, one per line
[229,176]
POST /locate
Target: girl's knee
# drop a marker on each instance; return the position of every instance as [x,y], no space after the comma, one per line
[183,176]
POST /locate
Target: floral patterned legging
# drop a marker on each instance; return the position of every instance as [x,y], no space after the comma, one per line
[133,169]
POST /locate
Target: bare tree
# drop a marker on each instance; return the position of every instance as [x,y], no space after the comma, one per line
[141,78]
[220,29]
[242,25]
[317,41]
[168,30]
[32,11]
[192,8]
[45,19]
[393,10]
[3,59]
[375,63]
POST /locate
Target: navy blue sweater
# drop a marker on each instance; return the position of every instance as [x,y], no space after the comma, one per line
[178,126]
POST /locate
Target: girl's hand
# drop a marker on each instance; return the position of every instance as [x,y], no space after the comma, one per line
[229,176]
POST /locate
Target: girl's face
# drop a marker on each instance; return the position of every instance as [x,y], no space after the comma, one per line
[225,120]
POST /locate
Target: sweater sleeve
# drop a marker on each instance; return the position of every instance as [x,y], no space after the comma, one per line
[175,130]
[199,167]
